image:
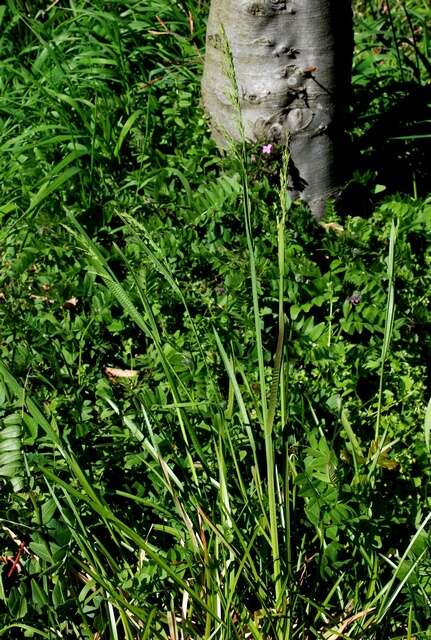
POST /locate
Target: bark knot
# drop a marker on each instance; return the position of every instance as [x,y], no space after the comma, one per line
[214,39]
[266,8]
[284,50]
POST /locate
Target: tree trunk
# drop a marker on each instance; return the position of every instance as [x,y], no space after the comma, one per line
[292,61]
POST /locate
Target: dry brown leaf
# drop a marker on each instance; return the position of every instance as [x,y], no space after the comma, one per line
[343,626]
[114,373]
[72,303]
[33,296]
[191,23]
[332,226]
[17,540]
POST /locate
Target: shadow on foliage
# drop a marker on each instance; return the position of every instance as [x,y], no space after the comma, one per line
[395,138]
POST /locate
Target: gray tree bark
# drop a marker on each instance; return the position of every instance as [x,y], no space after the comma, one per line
[292,62]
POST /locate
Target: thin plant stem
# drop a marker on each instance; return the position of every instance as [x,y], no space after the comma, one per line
[389,322]
[394,35]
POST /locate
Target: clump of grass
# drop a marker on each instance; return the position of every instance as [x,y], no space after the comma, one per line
[235,479]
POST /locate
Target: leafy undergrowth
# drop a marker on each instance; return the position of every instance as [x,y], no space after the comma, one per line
[214,411]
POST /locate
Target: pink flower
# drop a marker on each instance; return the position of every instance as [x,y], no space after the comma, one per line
[267,148]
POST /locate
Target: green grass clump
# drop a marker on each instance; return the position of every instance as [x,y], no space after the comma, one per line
[213,411]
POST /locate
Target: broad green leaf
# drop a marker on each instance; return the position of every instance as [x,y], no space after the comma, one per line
[41,550]
[47,511]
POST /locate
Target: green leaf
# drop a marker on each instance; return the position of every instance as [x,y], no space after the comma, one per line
[42,551]
[11,459]
[51,186]
[38,595]
[57,594]
[316,331]
[294,311]
[48,509]
[125,130]
[354,442]
[17,390]
[32,426]
[427,426]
